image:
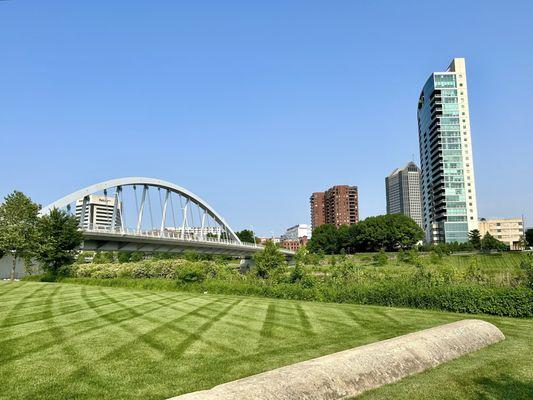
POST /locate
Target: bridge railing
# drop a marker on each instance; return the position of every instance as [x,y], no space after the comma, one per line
[165,234]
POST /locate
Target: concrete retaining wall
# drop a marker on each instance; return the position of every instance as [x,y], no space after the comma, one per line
[6,263]
[351,372]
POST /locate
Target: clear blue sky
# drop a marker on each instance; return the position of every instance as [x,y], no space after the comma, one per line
[254,105]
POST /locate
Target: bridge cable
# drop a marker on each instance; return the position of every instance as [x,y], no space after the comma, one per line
[136,201]
[172,207]
[160,201]
[150,208]
[200,221]
[163,217]
[191,214]
[184,219]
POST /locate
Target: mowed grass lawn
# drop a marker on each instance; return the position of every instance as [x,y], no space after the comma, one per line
[65,341]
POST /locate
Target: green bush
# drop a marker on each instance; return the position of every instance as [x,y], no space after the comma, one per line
[192,272]
[447,287]
[268,260]
[527,267]
[297,274]
[464,298]
[381,258]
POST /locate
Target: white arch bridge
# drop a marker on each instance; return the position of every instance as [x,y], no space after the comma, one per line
[150,215]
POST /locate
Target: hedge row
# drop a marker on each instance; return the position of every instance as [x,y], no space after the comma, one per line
[473,299]
[182,270]
[463,298]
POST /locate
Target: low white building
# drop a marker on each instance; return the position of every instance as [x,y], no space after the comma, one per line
[507,230]
[297,232]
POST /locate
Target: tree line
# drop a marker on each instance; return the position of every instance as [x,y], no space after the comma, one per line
[53,240]
[391,232]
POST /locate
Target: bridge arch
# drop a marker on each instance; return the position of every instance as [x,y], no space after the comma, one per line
[117,184]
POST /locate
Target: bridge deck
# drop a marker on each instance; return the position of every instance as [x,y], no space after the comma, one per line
[127,240]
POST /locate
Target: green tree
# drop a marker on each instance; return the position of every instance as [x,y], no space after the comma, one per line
[345,243]
[489,242]
[301,255]
[246,235]
[268,260]
[59,240]
[474,237]
[389,232]
[529,237]
[324,239]
[18,220]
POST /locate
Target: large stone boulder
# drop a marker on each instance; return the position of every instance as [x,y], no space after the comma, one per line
[351,372]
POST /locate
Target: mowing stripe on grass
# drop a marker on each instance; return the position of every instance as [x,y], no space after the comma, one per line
[27,343]
[148,344]
[145,338]
[5,291]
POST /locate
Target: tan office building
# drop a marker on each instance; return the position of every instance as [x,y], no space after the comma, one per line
[403,192]
[507,230]
[99,212]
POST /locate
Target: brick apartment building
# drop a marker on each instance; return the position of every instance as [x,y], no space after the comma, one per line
[337,206]
[294,244]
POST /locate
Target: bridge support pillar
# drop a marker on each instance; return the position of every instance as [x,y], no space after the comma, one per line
[245,264]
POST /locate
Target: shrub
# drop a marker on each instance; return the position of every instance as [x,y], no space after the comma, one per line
[344,271]
[191,272]
[474,273]
[124,257]
[297,274]
[411,257]
[461,289]
[136,256]
[435,257]
[527,267]
[103,257]
[268,260]
[381,258]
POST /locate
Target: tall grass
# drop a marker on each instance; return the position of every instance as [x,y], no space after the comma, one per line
[467,284]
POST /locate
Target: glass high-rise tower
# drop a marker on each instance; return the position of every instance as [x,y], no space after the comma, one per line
[448,187]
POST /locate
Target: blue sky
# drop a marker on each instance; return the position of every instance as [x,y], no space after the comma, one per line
[254,105]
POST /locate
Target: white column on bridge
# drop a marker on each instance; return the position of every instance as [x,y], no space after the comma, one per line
[184,224]
[202,232]
[141,209]
[122,218]
[164,216]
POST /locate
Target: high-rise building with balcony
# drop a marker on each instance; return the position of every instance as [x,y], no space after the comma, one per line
[318,209]
[404,194]
[448,186]
[339,205]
